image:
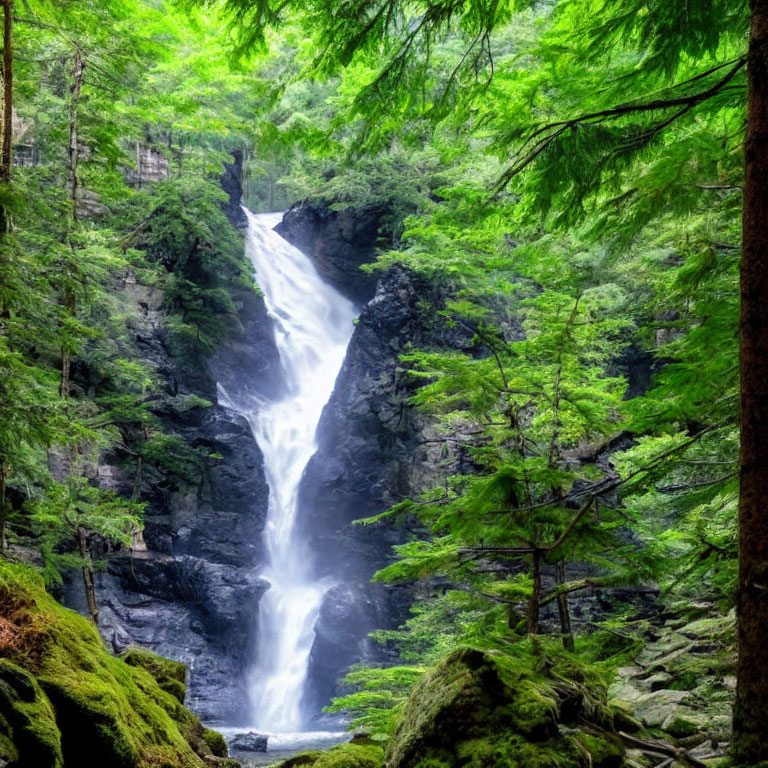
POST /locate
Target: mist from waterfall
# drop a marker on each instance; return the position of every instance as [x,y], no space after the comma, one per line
[313,325]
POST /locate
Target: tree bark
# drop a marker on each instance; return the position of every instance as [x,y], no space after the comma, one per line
[534,602]
[562,608]
[66,355]
[750,723]
[78,70]
[7,143]
[6,139]
[3,508]
[90,589]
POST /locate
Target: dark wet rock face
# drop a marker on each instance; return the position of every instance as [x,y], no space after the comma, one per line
[248,364]
[372,452]
[339,242]
[349,612]
[372,448]
[189,590]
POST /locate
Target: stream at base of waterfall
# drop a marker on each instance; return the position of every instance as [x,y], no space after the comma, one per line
[313,324]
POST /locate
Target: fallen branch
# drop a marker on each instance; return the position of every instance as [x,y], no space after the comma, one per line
[660,748]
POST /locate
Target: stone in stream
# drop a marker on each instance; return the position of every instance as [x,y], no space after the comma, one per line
[249,742]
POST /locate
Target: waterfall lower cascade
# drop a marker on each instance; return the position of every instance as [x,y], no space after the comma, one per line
[313,325]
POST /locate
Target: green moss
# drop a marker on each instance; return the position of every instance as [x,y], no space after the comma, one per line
[171,676]
[482,710]
[352,756]
[433,762]
[511,751]
[343,756]
[8,751]
[216,743]
[30,733]
[95,709]
[605,751]
[303,758]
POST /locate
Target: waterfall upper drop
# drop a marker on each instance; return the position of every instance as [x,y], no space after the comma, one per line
[313,325]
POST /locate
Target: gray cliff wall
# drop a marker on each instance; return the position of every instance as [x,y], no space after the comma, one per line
[339,242]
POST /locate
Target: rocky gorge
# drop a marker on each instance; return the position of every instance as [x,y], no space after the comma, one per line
[189,588]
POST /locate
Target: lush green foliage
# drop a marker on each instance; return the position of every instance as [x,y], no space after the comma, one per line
[65,699]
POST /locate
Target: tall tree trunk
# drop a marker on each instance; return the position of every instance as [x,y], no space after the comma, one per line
[6,134]
[3,508]
[90,589]
[750,718]
[562,608]
[534,602]
[66,355]
[78,70]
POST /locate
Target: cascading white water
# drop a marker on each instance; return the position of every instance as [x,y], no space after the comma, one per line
[313,325]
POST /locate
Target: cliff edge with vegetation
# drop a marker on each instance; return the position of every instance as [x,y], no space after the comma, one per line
[66,702]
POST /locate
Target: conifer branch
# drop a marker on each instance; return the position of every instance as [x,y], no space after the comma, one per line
[607,485]
[546,134]
[704,484]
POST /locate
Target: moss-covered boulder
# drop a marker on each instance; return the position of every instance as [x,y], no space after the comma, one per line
[66,702]
[484,710]
[358,755]
[217,744]
[171,676]
[28,731]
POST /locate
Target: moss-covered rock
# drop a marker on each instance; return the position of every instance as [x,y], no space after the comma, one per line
[308,758]
[65,702]
[343,756]
[171,676]
[483,710]
[217,744]
[30,736]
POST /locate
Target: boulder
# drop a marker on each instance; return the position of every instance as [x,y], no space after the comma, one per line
[656,708]
[249,742]
[486,709]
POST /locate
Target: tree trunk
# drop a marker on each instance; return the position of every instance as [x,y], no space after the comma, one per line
[3,509]
[7,143]
[534,601]
[750,723]
[6,137]
[562,608]
[90,589]
[66,355]
[78,69]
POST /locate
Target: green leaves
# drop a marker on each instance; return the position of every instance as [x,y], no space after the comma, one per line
[376,704]
[57,518]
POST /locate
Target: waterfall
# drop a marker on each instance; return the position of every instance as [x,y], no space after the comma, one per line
[313,324]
